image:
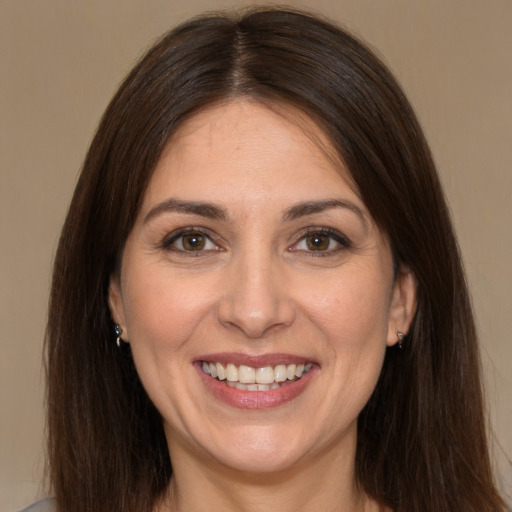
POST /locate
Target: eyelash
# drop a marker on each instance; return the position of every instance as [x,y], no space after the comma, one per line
[333,235]
[342,241]
[171,239]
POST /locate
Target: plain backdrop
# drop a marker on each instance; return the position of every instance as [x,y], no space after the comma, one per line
[61,61]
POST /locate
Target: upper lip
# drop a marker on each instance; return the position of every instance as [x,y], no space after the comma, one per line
[256,361]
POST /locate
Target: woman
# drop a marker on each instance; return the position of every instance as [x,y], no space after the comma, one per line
[258,300]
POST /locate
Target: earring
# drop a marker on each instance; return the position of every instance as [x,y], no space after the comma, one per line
[401,337]
[118,331]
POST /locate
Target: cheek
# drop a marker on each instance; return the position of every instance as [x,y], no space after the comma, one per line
[350,317]
[163,311]
[163,314]
[352,308]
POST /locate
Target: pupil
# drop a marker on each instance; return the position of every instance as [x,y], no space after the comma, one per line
[318,242]
[193,242]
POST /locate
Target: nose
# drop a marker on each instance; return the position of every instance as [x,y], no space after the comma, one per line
[256,299]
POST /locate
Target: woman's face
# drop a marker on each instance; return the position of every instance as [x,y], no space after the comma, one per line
[256,292]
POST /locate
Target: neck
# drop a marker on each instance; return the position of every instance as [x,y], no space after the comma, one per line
[324,483]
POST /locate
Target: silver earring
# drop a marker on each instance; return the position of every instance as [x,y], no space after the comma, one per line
[401,336]
[118,331]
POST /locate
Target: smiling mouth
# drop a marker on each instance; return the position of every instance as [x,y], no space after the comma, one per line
[247,378]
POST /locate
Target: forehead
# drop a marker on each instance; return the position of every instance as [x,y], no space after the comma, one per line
[245,117]
[244,141]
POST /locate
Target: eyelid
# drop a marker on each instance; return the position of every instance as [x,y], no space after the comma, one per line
[338,237]
[170,238]
[342,240]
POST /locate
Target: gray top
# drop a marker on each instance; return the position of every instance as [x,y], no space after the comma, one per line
[46,505]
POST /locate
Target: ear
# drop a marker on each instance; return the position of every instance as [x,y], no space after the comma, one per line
[403,304]
[115,304]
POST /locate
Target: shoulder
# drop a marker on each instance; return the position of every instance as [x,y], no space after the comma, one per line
[46,505]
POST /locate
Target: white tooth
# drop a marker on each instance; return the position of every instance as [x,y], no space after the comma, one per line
[213,370]
[231,384]
[231,372]
[290,371]
[280,373]
[252,387]
[308,367]
[240,386]
[206,368]
[221,373]
[274,385]
[299,370]
[263,387]
[265,375]
[246,374]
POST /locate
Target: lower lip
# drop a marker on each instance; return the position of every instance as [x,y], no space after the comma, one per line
[256,399]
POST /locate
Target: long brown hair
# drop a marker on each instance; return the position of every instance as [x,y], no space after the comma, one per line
[422,438]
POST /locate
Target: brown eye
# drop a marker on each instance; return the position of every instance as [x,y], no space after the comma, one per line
[318,242]
[323,242]
[193,242]
[190,242]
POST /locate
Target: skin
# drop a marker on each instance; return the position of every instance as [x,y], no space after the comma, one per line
[259,285]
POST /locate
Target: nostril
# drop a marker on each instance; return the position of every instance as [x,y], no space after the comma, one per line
[255,301]
[255,322]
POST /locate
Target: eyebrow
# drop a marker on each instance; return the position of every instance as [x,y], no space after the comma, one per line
[208,210]
[312,207]
[215,212]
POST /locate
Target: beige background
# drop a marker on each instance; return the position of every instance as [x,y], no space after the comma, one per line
[60,62]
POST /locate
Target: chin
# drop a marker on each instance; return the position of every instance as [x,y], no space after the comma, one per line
[263,461]
[262,450]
